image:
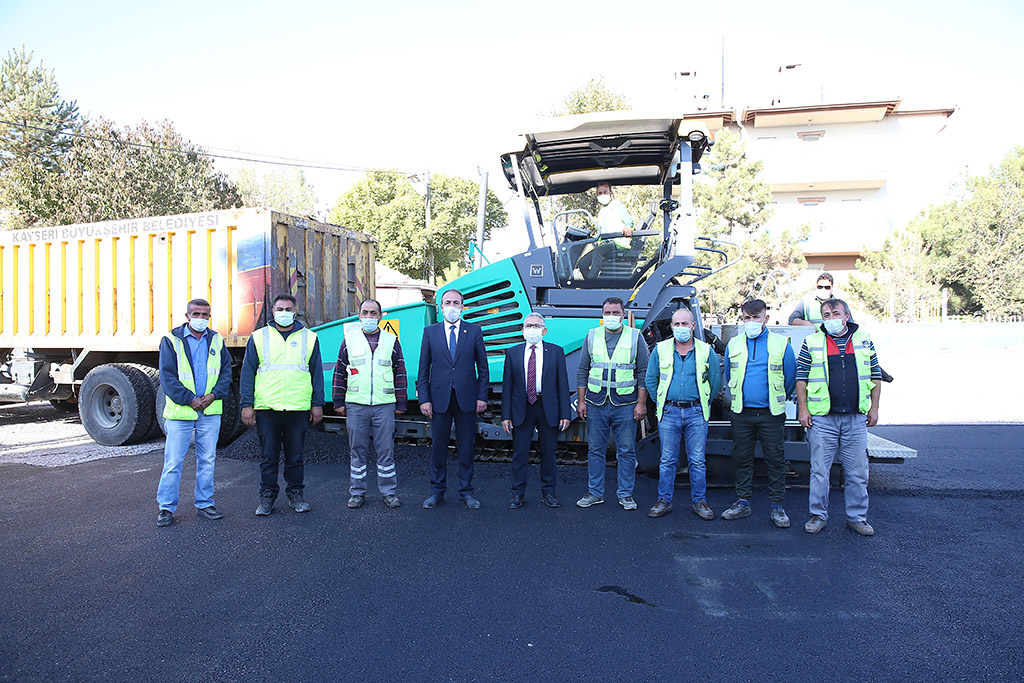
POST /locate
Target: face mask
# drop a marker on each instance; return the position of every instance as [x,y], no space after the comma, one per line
[682,334]
[834,326]
[451,313]
[284,318]
[533,335]
[612,322]
[752,329]
[369,324]
[604,199]
[198,324]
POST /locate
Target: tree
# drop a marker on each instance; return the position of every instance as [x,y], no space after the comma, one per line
[385,204]
[593,97]
[901,277]
[288,191]
[110,173]
[978,243]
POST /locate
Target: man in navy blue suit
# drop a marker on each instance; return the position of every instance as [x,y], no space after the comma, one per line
[534,395]
[452,387]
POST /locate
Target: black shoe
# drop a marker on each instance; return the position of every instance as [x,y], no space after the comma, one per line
[210,512]
[433,501]
[471,502]
[165,518]
[550,500]
[517,502]
[296,501]
[265,507]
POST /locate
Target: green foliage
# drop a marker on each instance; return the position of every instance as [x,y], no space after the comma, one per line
[731,198]
[900,277]
[385,205]
[593,97]
[978,243]
[287,191]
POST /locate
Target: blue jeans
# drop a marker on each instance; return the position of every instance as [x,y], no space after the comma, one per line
[676,425]
[618,420]
[179,436]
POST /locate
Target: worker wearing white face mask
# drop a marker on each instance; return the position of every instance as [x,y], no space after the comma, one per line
[760,371]
[612,219]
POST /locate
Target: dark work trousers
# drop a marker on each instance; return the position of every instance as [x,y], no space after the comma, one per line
[748,427]
[277,428]
[465,438]
[522,436]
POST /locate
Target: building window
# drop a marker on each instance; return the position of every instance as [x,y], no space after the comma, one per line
[767,138]
[810,201]
[811,135]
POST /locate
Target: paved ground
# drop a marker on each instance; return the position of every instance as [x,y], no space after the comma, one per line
[93,589]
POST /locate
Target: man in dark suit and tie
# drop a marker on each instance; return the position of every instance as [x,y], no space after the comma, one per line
[534,395]
[452,386]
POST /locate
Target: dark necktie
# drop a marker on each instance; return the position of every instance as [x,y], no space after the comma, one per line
[531,376]
[451,341]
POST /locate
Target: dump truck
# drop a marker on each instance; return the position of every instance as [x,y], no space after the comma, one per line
[654,272]
[83,307]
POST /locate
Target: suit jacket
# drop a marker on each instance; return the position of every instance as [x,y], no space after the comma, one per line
[439,373]
[554,385]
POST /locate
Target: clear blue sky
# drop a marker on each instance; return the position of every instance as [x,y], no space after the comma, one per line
[419,85]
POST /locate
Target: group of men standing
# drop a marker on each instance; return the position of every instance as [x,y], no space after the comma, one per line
[836,378]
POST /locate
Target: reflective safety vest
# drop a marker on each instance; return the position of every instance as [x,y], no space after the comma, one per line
[371,379]
[282,379]
[737,353]
[819,401]
[617,372]
[666,355]
[812,310]
[174,411]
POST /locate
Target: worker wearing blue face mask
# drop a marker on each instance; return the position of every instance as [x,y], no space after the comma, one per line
[838,382]
[760,371]
[684,376]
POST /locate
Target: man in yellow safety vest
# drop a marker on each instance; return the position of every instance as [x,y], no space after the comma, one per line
[195,375]
[282,393]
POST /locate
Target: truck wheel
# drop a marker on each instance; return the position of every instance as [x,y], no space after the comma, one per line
[116,404]
[231,425]
[155,428]
[66,407]
[158,409]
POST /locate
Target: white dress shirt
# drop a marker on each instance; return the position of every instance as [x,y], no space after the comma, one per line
[540,362]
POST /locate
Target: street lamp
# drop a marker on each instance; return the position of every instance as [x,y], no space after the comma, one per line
[421,183]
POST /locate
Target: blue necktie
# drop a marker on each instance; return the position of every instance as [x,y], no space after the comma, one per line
[451,341]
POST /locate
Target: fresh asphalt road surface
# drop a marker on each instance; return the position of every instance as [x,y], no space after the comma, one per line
[93,589]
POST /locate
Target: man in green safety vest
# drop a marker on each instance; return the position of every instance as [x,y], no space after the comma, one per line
[760,373]
[195,375]
[684,376]
[369,390]
[612,398]
[282,393]
[808,311]
[838,383]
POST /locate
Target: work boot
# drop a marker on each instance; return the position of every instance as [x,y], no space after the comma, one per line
[703,510]
[209,512]
[627,503]
[814,524]
[355,502]
[266,506]
[862,528]
[779,517]
[589,500]
[740,508]
[296,502]
[392,501]
[165,518]
[660,509]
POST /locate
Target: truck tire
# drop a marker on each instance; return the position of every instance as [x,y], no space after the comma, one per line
[231,426]
[116,404]
[155,428]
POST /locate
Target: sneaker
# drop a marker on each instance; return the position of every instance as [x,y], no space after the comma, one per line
[627,503]
[703,510]
[779,517]
[814,524]
[355,502]
[210,512]
[266,506]
[737,510]
[862,528]
[165,518]
[660,509]
[588,500]
[297,503]
[392,501]
[550,500]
